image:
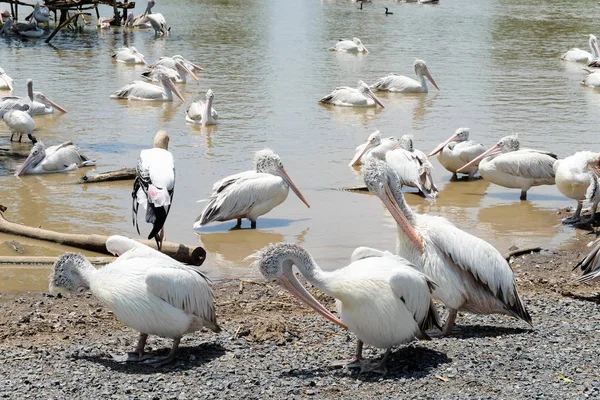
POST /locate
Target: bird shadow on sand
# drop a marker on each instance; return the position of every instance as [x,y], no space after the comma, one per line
[413,361]
[187,358]
[262,223]
[592,299]
[483,331]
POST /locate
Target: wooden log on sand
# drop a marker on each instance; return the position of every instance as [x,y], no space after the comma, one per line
[180,252]
[118,175]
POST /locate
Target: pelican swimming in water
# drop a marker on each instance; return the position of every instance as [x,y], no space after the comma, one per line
[457,151]
[506,164]
[24,29]
[129,55]
[362,96]
[202,112]
[171,62]
[350,46]
[579,55]
[250,194]
[412,166]
[470,273]
[104,23]
[54,159]
[374,147]
[592,79]
[403,84]
[573,180]
[41,13]
[37,102]
[177,74]
[141,21]
[154,185]
[6,82]
[19,122]
[382,299]
[138,90]
[146,290]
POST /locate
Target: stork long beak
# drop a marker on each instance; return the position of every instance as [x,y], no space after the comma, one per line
[390,203]
[428,75]
[53,104]
[359,155]
[479,158]
[375,99]
[25,166]
[5,79]
[172,86]
[186,69]
[292,186]
[295,288]
[442,145]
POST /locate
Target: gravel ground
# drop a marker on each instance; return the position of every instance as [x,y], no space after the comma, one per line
[272,347]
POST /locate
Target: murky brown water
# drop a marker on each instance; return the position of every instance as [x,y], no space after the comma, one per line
[267,61]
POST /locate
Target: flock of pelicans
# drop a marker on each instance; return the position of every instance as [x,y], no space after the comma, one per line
[386,299]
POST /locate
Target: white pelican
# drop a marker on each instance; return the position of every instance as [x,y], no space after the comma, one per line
[19,122]
[412,166]
[363,96]
[156,20]
[54,159]
[141,21]
[383,300]
[171,62]
[573,180]
[202,112]
[177,74]
[592,79]
[146,290]
[154,185]
[579,55]
[590,264]
[250,194]
[138,90]
[470,273]
[457,151]
[129,55]
[404,84]
[104,23]
[374,147]
[505,164]
[41,13]
[350,46]
[6,82]
[36,101]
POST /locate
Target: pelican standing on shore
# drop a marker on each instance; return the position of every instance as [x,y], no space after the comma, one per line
[6,82]
[250,194]
[138,90]
[506,164]
[54,159]
[350,46]
[146,290]
[346,96]
[470,273]
[457,151]
[374,147]
[403,84]
[382,299]
[202,112]
[129,55]
[579,55]
[154,186]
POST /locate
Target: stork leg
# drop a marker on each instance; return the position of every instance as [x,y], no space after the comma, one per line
[523,194]
[160,361]
[136,356]
[576,217]
[378,367]
[354,363]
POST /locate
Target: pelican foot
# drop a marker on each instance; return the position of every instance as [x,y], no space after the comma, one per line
[159,361]
[129,357]
[571,220]
[349,364]
[377,367]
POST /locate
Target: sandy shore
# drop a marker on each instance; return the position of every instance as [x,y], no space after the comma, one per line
[272,347]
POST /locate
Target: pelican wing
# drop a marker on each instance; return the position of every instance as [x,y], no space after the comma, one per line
[62,156]
[194,111]
[590,264]
[396,83]
[10,102]
[345,45]
[139,90]
[408,167]
[366,252]
[480,259]
[527,163]
[345,95]
[468,150]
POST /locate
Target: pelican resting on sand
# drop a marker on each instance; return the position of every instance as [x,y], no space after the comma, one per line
[54,159]
[362,96]
[146,290]
[138,90]
[350,46]
[374,147]
[457,151]
[470,273]
[403,84]
[201,112]
[250,194]
[129,55]
[382,299]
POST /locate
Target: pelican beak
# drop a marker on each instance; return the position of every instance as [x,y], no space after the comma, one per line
[25,166]
[186,69]
[194,66]
[476,160]
[358,155]
[164,31]
[295,288]
[442,145]
[366,51]
[5,79]
[292,186]
[53,104]
[172,86]
[390,203]
[143,59]
[428,75]
[595,44]
[375,99]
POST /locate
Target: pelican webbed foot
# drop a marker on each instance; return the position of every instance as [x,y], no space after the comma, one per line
[355,363]
[136,356]
[169,358]
[571,220]
[449,328]
[378,367]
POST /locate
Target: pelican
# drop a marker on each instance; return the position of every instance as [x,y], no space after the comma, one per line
[41,13]
[138,90]
[156,20]
[382,299]
[404,84]
[19,122]
[6,82]
[141,21]
[592,79]
[505,164]
[104,23]
[457,151]
[37,102]
[470,273]
[201,112]
[176,74]
[363,96]
[388,12]
[374,147]
[250,194]
[350,46]
[146,290]
[579,55]
[171,62]
[590,264]
[4,15]
[573,180]
[54,159]
[154,185]
[24,29]
[129,55]
[412,166]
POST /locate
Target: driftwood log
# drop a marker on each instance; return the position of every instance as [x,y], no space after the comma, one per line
[118,175]
[180,252]
[520,252]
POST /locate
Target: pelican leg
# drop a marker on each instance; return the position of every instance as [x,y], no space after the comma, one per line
[592,217]
[576,217]
[136,356]
[252,224]
[160,361]
[11,136]
[454,177]
[449,325]
[378,367]
[20,137]
[523,195]
[356,362]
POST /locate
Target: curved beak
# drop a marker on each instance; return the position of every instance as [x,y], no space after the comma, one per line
[428,75]
[187,70]
[295,288]
[5,79]
[390,203]
[25,166]
[172,86]
[375,99]
[442,145]
[292,186]
[359,155]
[53,104]
[476,160]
